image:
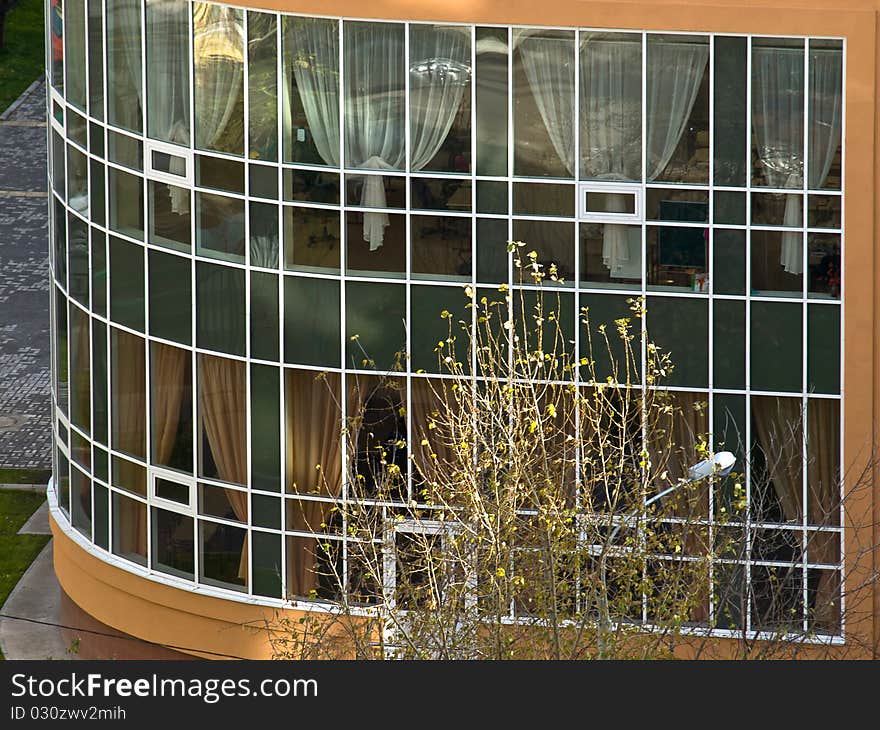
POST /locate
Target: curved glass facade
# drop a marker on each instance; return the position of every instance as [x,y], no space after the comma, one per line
[236,195]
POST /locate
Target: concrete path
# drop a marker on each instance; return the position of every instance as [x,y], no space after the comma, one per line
[25,433]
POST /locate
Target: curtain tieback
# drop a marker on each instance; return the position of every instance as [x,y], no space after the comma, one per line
[373,196]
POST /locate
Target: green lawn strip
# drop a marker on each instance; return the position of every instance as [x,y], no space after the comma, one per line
[25,476]
[17,552]
[21,62]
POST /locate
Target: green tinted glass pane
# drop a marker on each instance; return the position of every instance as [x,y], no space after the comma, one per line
[730,110]
[78,259]
[264,316]
[375,315]
[265,428]
[601,312]
[311,321]
[729,343]
[170,297]
[729,266]
[96,203]
[99,272]
[680,326]
[127,283]
[266,511]
[266,549]
[776,360]
[80,366]
[728,434]
[729,208]
[220,323]
[430,326]
[102,512]
[492,196]
[99,383]
[492,256]
[101,464]
[823,348]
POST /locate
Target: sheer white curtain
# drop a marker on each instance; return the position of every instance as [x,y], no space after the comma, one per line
[611,136]
[778,122]
[826,99]
[124,24]
[167,70]
[375,95]
[674,73]
[549,65]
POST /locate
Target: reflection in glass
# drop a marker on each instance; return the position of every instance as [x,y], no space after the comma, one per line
[730,90]
[262,87]
[826,105]
[776,346]
[264,235]
[311,239]
[167,57]
[220,307]
[823,349]
[96,58]
[440,194]
[311,321]
[375,315]
[220,227]
[60,349]
[441,247]
[824,211]
[173,549]
[125,195]
[554,243]
[218,58]
[223,555]
[80,369]
[127,283]
[491,100]
[169,215]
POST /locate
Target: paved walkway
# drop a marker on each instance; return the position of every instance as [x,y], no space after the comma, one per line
[25,432]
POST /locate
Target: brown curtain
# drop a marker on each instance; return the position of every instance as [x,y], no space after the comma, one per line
[130,528]
[168,377]
[129,394]
[779,430]
[224,417]
[314,465]
[823,500]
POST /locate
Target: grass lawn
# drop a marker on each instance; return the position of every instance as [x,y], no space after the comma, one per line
[17,552]
[25,476]
[21,62]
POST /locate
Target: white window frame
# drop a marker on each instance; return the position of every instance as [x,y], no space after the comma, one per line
[151,146]
[636,190]
[184,480]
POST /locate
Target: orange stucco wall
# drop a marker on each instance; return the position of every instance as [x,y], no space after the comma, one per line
[150,610]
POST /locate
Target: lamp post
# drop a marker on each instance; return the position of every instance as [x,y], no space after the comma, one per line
[718,465]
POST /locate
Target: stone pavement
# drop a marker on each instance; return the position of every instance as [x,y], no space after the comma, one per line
[25,432]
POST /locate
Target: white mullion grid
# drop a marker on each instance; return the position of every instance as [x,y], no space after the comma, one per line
[343,264]
[245,90]
[644,294]
[196,412]
[710,267]
[805,267]
[577,298]
[279,277]
[841,571]
[407,28]
[144,214]
[511,146]
[747,457]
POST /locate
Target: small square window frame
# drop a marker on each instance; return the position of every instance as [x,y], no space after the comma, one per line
[635,190]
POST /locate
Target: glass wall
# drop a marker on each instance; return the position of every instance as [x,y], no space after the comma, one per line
[276,207]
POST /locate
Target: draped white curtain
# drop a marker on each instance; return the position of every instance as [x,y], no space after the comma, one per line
[218,55]
[611,136]
[549,65]
[124,25]
[778,122]
[375,109]
[168,70]
[826,79]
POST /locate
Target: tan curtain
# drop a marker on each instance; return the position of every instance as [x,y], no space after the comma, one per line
[314,465]
[130,527]
[129,404]
[426,405]
[168,378]
[823,500]
[779,430]
[223,393]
